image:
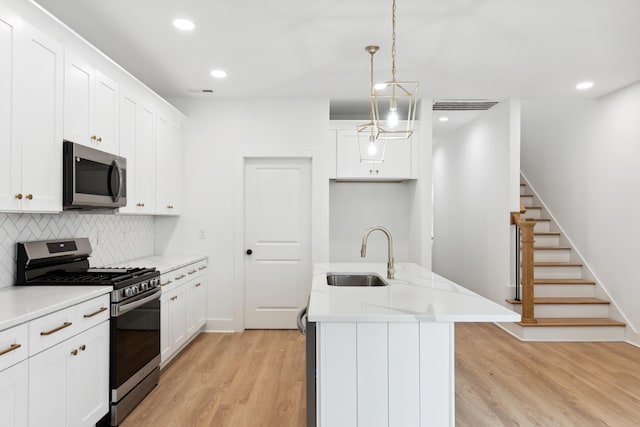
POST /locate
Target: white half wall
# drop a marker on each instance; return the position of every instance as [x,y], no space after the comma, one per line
[582,156]
[475,189]
[216,135]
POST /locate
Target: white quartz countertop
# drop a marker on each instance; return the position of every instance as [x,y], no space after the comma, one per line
[19,304]
[163,263]
[415,295]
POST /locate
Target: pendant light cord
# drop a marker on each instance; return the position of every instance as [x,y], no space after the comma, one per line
[393,40]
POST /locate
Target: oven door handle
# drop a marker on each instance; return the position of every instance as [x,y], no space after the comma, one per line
[300,320]
[115,182]
[119,309]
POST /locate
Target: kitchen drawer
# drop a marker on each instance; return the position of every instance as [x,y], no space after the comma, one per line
[14,345]
[94,311]
[201,265]
[49,330]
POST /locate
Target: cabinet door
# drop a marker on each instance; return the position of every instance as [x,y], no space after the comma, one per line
[174,185]
[106,119]
[127,132]
[40,117]
[396,165]
[397,160]
[196,305]
[13,395]
[177,318]
[144,161]
[348,157]
[9,148]
[88,382]
[163,161]
[79,86]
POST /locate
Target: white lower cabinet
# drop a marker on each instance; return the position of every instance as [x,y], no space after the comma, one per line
[13,395]
[69,382]
[182,308]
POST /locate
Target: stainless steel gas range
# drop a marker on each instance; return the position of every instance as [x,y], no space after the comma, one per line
[135,312]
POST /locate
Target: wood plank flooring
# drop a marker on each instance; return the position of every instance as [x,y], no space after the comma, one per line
[257,379]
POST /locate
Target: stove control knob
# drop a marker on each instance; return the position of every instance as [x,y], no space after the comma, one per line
[127,292]
[135,289]
[143,286]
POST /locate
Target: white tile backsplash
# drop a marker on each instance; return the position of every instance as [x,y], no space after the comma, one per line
[114,238]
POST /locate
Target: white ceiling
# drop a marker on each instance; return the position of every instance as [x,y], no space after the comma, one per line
[296,48]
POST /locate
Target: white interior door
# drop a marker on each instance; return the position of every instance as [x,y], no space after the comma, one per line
[278,239]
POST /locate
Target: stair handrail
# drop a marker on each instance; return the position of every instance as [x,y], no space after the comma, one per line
[527,241]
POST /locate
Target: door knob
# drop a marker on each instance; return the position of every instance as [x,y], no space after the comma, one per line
[249,251]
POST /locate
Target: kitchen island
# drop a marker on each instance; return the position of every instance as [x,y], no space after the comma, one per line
[385,354]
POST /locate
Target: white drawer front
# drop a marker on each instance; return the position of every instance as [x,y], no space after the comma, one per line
[14,345]
[94,311]
[52,329]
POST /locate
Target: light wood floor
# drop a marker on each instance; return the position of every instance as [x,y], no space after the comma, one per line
[257,379]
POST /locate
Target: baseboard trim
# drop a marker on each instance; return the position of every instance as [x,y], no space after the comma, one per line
[221,325]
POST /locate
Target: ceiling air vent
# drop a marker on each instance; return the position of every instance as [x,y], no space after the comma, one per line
[202,91]
[464,105]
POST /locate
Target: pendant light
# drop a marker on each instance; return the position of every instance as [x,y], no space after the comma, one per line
[371,148]
[394,100]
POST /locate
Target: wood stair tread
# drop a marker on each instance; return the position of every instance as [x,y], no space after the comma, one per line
[537,219]
[546,233]
[584,321]
[533,207]
[557,264]
[563,300]
[526,195]
[563,282]
[551,248]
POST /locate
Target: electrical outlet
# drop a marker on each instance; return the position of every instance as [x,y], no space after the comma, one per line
[202,234]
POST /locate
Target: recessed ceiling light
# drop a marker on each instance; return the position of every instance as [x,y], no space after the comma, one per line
[584,85]
[219,74]
[444,119]
[184,24]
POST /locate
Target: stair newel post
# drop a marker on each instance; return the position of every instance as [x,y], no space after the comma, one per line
[526,231]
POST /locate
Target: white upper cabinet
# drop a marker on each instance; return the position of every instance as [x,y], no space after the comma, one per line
[168,167]
[91,104]
[30,119]
[396,165]
[144,167]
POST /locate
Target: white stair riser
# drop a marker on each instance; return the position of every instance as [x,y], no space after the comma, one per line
[541,227]
[564,290]
[557,272]
[568,310]
[565,333]
[523,190]
[531,213]
[551,256]
[547,240]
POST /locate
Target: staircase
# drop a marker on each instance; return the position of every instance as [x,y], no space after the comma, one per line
[566,306]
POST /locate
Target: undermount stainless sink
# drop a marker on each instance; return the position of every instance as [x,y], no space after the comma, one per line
[355,279]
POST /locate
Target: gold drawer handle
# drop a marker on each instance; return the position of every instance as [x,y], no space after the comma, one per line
[83,347]
[95,313]
[198,285]
[192,272]
[64,325]
[165,284]
[10,349]
[74,351]
[202,268]
[174,298]
[169,207]
[180,277]
[140,205]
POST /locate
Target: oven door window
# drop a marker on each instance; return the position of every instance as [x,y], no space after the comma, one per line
[136,341]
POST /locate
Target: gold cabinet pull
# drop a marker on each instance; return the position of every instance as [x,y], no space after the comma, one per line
[182,276]
[83,347]
[99,139]
[140,205]
[54,330]
[202,268]
[166,283]
[94,137]
[95,313]
[10,349]
[174,298]
[169,206]
[192,272]
[29,196]
[19,196]
[74,352]
[198,285]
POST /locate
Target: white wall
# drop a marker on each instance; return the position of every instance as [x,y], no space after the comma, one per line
[216,135]
[474,192]
[582,158]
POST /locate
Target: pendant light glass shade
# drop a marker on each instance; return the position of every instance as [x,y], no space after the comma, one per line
[371,148]
[394,102]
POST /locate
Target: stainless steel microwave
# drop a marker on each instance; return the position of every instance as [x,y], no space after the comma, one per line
[92,179]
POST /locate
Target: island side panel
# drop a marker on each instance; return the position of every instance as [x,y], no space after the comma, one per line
[337,373]
[437,376]
[373,370]
[404,378]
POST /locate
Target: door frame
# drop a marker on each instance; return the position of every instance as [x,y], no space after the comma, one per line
[319,214]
